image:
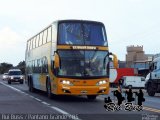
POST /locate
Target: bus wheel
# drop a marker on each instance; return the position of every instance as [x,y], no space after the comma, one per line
[91,97]
[31,88]
[49,92]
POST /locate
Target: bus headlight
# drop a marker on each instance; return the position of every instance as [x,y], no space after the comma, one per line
[101,82]
[66,82]
[12,77]
[21,77]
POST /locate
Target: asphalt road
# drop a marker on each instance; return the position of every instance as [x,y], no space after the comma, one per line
[16,99]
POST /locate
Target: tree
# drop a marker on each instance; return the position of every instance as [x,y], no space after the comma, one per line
[21,65]
[4,67]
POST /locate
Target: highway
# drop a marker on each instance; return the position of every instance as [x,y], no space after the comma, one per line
[16,99]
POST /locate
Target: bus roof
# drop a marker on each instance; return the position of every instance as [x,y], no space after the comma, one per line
[75,20]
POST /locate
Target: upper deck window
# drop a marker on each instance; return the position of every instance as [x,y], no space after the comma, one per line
[82,33]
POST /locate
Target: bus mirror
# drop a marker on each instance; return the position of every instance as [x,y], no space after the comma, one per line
[56,62]
[115,60]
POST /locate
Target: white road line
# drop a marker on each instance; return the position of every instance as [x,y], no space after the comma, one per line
[151,109]
[57,109]
[38,99]
[12,87]
[31,96]
[67,114]
[46,103]
[43,102]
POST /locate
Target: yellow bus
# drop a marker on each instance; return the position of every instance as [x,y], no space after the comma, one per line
[69,57]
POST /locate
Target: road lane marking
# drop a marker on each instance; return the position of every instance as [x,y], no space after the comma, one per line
[46,103]
[57,109]
[151,109]
[38,99]
[43,102]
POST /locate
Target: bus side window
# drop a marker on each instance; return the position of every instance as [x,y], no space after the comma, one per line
[34,42]
[41,39]
[46,65]
[28,45]
[37,40]
[32,65]
[38,66]
[45,36]
[42,61]
[31,45]
[49,35]
[35,66]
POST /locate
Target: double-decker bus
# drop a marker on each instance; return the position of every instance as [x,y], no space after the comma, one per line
[69,57]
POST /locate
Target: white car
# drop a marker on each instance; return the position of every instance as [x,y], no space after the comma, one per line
[15,75]
[5,76]
[134,82]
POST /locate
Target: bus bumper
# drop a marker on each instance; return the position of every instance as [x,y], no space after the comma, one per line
[83,90]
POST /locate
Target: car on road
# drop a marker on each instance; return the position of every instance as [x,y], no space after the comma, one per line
[5,76]
[15,75]
[133,81]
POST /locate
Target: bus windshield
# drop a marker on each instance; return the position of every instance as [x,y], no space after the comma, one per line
[15,73]
[81,63]
[82,33]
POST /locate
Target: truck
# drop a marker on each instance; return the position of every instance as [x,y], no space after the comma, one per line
[152,84]
[117,73]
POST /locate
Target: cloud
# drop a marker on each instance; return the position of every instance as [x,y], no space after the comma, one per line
[11,45]
[8,37]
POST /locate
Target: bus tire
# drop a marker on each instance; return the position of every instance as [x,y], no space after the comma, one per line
[31,88]
[91,97]
[48,89]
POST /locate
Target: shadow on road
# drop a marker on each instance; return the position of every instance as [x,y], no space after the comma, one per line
[65,98]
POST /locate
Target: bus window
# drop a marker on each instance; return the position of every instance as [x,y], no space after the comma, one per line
[90,63]
[49,34]
[28,45]
[35,63]
[34,42]
[39,66]
[41,39]
[44,36]
[33,66]
[54,33]
[79,33]
[37,40]
[44,65]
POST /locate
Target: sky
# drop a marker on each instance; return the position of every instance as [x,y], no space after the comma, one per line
[127,22]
